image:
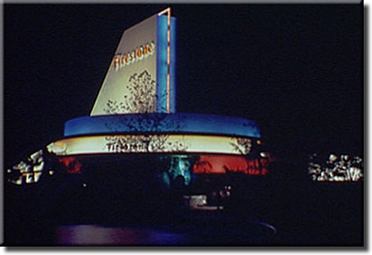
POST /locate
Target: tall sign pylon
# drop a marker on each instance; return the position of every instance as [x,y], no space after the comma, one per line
[141,77]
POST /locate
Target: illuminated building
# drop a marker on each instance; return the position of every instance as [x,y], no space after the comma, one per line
[142,160]
[134,132]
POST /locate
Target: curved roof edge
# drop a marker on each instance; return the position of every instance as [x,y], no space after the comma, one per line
[189,123]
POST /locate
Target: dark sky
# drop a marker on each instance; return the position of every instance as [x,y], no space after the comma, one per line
[295,69]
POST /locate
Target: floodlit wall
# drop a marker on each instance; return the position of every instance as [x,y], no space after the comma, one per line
[141,76]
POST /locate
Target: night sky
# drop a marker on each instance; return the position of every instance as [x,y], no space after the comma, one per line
[295,69]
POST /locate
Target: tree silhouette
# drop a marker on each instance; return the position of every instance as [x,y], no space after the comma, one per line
[142,96]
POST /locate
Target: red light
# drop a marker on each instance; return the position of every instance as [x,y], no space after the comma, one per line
[73,166]
[221,164]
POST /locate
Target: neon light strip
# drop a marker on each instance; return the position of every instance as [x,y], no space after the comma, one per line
[168,11]
[168,63]
[114,144]
[164,11]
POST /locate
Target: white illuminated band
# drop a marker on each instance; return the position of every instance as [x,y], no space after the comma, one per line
[141,52]
[156,143]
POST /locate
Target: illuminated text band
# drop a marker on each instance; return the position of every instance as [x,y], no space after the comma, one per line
[171,143]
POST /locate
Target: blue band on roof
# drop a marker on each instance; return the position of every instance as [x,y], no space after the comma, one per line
[183,123]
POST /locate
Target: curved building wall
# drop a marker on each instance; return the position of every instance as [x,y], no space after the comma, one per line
[181,123]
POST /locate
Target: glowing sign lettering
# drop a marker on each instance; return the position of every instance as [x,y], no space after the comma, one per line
[141,143]
[141,52]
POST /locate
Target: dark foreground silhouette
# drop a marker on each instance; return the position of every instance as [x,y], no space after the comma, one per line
[108,207]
